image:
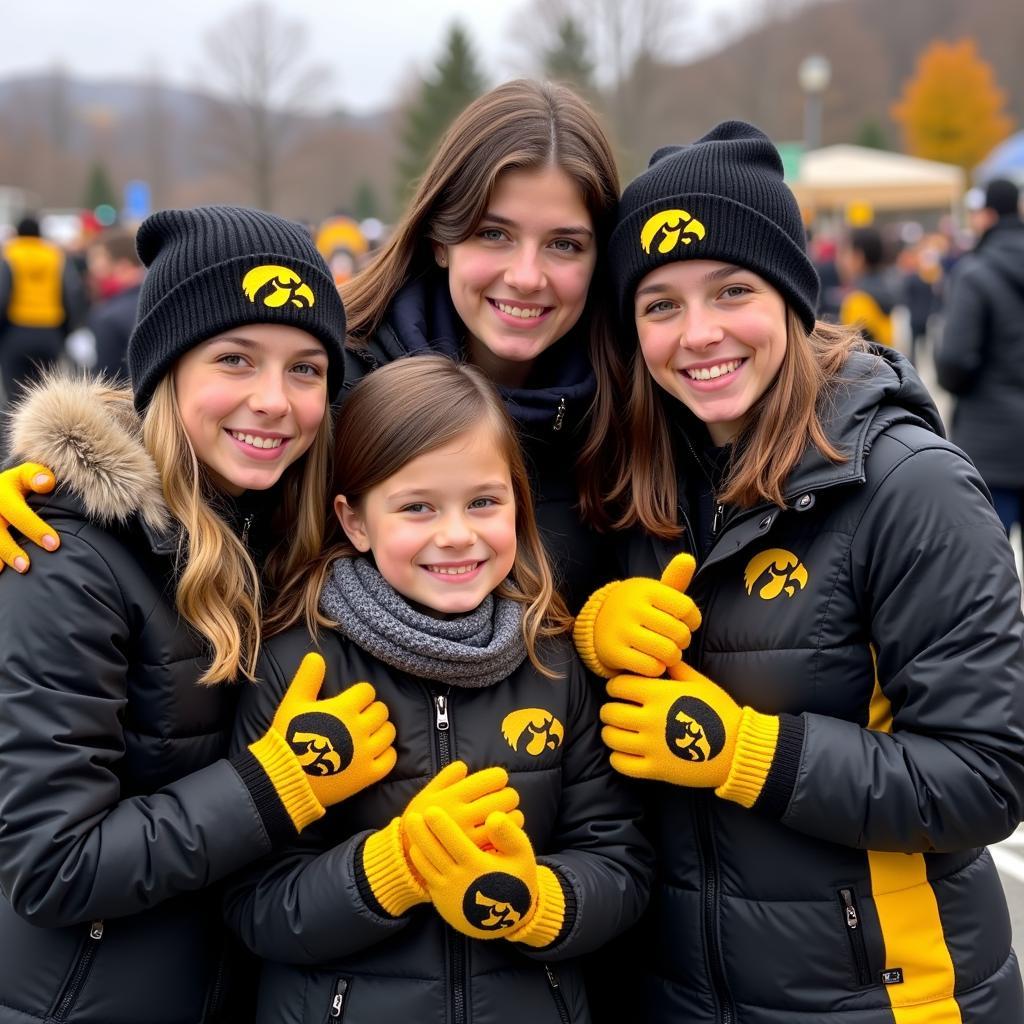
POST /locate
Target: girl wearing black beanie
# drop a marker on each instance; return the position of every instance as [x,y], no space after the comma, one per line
[844,732]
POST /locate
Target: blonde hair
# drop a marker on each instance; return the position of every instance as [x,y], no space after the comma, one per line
[521,125]
[406,409]
[778,428]
[219,590]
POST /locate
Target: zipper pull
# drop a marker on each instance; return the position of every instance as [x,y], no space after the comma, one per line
[852,920]
[441,721]
[338,1002]
[560,415]
[552,979]
[246,523]
[716,520]
[96,930]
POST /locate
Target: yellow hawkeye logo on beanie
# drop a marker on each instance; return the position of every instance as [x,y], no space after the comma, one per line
[777,571]
[670,228]
[533,730]
[274,286]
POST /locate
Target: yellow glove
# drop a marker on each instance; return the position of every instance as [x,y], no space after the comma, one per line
[15,485]
[495,893]
[319,752]
[468,800]
[638,625]
[688,731]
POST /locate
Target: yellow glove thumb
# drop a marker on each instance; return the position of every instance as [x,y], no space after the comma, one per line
[303,689]
[679,572]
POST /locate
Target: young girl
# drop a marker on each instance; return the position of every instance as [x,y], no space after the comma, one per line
[496,261]
[847,732]
[118,805]
[424,898]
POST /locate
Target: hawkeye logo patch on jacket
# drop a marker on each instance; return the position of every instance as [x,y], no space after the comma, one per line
[774,572]
[532,730]
[274,286]
[670,228]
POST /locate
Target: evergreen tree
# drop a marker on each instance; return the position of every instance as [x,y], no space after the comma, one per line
[99,190]
[365,202]
[456,82]
[872,135]
[567,60]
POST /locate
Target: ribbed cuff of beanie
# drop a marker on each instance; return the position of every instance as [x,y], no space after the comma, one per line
[549,919]
[583,632]
[756,741]
[286,780]
[395,888]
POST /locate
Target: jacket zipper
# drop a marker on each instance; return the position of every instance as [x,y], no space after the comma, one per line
[338,997]
[848,902]
[456,943]
[556,992]
[246,525]
[559,415]
[80,973]
[709,860]
[213,1002]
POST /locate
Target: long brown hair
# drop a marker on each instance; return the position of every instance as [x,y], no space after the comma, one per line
[219,588]
[522,125]
[409,408]
[777,430]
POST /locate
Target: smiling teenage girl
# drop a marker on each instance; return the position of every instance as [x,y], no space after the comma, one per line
[119,808]
[427,898]
[847,732]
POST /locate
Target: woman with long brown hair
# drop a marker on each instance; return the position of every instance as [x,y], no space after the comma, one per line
[845,731]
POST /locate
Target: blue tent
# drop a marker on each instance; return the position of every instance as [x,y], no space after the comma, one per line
[1005,161]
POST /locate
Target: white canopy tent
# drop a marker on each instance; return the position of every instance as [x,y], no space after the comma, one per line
[834,177]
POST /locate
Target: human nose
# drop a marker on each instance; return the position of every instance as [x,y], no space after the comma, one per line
[270,394]
[455,532]
[700,328]
[524,272]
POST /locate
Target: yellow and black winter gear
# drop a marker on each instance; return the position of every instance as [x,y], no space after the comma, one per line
[638,625]
[37,275]
[690,732]
[317,753]
[877,618]
[326,912]
[497,893]
[467,799]
[16,484]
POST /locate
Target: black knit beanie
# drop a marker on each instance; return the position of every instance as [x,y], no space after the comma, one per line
[720,198]
[216,267]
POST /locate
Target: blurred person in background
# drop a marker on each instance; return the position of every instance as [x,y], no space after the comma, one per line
[116,274]
[41,299]
[980,358]
[870,295]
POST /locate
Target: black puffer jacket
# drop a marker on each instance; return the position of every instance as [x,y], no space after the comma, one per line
[118,809]
[880,615]
[307,911]
[551,414]
[981,355]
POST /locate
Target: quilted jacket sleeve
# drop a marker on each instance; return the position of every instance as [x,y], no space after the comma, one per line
[72,849]
[304,905]
[597,849]
[938,587]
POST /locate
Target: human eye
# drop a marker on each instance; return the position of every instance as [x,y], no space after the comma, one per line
[736,291]
[491,235]
[566,245]
[415,507]
[231,359]
[483,502]
[660,306]
[308,370]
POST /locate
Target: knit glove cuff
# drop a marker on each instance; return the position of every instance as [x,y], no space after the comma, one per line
[546,923]
[583,632]
[388,874]
[756,742]
[288,779]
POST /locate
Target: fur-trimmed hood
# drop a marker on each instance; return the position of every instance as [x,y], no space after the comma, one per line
[87,431]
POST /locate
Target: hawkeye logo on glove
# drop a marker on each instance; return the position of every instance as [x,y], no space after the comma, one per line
[776,571]
[693,730]
[275,286]
[533,730]
[321,743]
[496,901]
[670,228]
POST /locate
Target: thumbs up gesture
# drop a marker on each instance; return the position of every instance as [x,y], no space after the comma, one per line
[640,625]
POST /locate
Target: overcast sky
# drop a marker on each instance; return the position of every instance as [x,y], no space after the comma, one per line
[373,47]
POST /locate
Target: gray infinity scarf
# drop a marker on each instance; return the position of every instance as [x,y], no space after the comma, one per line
[472,650]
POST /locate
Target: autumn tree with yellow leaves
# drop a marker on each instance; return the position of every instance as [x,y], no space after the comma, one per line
[951,109]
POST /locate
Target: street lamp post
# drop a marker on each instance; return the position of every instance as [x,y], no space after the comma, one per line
[815,72]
